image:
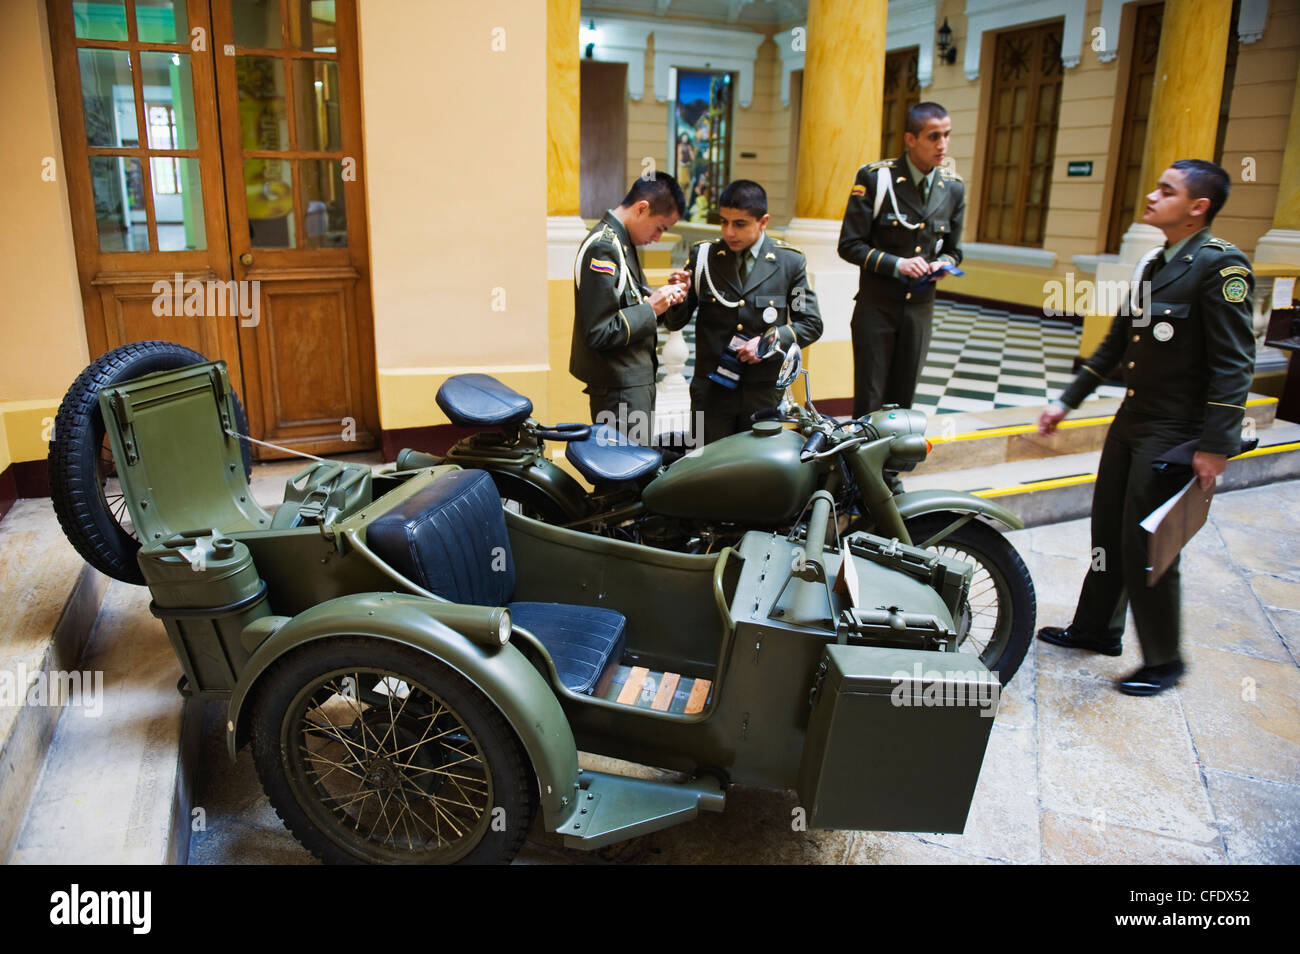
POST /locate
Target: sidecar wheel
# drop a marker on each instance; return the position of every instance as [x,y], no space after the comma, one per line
[87,499]
[998,623]
[374,752]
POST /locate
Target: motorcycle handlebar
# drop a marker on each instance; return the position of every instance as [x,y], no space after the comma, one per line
[565,432]
[813,446]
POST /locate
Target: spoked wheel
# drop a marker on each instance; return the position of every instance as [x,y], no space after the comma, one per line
[374,752]
[997,621]
[84,486]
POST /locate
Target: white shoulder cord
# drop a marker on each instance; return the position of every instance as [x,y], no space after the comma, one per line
[885,182]
[622,262]
[1135,286]
[702,268]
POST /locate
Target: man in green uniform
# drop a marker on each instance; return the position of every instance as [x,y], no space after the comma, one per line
[741,285]
[1187,351]
[615,314]
[902,224]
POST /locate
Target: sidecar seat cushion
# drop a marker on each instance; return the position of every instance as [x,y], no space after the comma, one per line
[583,641]
[608,455]
[450,537]
[477,399]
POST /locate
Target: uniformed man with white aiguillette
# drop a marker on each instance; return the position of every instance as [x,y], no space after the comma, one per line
[1188,358]
[615,314]
[902,224]
[741,284]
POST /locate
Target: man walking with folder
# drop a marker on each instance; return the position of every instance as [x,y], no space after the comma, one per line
[1187,352]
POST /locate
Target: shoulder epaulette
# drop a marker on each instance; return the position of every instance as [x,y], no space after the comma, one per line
[781,243]
[1217,243]
[881,164]
[949,174]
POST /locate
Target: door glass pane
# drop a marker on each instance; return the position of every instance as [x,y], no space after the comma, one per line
[268,192]
[161,21]
[177,203]
[168,100]
[325,217]
[312,25]
[262,120]
[257,23]
[99,19]
[316,88]
[120,216]
[107,98]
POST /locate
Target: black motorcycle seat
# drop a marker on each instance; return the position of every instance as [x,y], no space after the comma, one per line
[608,455]
[479,399]
[450,537]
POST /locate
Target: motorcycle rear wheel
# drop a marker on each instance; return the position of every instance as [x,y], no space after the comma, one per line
[998,620]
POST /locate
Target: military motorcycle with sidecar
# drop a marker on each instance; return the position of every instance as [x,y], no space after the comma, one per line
[416,668]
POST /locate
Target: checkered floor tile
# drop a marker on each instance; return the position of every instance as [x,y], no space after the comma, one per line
[981,359]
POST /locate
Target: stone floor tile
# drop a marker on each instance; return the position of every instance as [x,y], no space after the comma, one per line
[1071,840]
[1259,819]
[1120,758]
[1003,820]
[1219,608]
[1258,735]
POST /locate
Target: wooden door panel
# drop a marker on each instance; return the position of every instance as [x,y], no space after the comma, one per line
[131,311]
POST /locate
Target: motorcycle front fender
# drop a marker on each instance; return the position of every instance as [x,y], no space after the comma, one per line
[918,502]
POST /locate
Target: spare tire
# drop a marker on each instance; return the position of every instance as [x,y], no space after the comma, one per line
[90,506]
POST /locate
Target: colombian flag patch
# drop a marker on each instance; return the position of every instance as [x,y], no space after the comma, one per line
[858,190]
[600,265]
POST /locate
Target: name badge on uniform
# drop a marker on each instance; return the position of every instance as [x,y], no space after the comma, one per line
[1163,331]
[769,314]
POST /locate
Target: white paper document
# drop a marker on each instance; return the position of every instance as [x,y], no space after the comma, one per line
[1154,518]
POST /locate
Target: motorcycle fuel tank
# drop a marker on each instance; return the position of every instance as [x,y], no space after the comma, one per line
[753,477]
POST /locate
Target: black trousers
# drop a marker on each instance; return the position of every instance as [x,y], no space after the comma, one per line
[723,411]
[630,410]
[890,342]
[1127,490]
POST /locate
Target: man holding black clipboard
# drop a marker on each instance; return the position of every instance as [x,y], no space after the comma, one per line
[1188,358]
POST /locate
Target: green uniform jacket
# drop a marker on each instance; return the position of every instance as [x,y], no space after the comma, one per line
[775,293]
[613,332]
[1193,357]
[876,244]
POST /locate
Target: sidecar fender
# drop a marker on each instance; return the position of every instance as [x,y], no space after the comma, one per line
[917,502]
[502,673]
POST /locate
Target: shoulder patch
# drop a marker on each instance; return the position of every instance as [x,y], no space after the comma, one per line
[1234,270]
[602,266]
[1235,289]
[858,190]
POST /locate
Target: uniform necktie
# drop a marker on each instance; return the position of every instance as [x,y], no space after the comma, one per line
[925,189]
[745,260]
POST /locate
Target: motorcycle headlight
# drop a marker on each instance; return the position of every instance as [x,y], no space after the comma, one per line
[504,625]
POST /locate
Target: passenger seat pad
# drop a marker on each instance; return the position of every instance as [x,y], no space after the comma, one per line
[472,400]
[583,640]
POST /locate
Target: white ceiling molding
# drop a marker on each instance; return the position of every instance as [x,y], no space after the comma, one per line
[705,48]
[621,41]
[1251,20]
[983,16]
[1250,24]
[791,59]
[912,23]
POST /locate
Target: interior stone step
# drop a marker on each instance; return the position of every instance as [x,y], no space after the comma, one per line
[1052,489]
[50,599]
[987,438]
[115,785]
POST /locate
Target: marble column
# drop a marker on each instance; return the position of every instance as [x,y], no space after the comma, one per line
[839,130]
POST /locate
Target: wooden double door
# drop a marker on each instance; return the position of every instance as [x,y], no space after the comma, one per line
[213,159]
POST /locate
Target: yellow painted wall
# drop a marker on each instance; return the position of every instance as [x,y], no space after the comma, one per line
[647,127]
[455,135]
[44,338]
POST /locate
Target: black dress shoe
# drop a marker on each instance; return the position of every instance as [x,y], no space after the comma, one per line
[1072,640]
[1152,680]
